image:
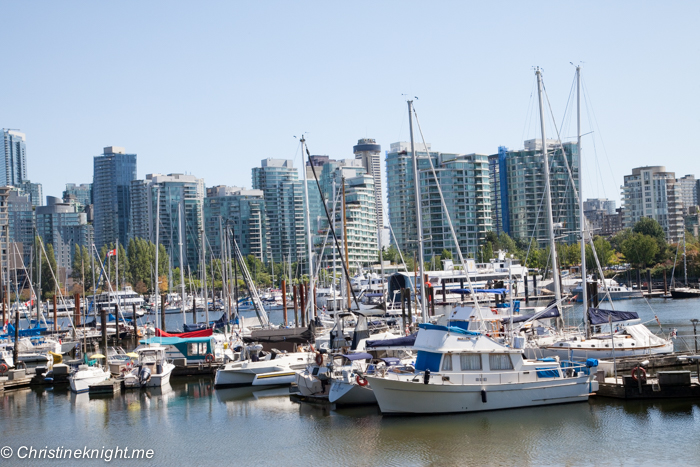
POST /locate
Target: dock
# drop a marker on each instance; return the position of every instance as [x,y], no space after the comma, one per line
[182,368]
[665,385]
[109,387]
[15,379]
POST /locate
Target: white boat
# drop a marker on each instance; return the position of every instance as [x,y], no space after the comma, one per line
[463,371]
[86,376]
[616,291]
[270,369]
[152,369]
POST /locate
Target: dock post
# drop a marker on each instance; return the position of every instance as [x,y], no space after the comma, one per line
[639,279]
[135,335]
[294,298]
[302,302]
[403,308]
[194,311]
[162,311]
[431,296]
[665,285]
[55,316]
[649,281]
[77,318]
[534,285]
[444,293]
[15,348]
[410,310]
[284,301]
[526,278]
[103,318]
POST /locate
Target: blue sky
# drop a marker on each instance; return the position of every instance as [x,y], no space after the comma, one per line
[211,88]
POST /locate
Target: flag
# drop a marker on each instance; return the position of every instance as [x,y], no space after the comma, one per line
[112,252]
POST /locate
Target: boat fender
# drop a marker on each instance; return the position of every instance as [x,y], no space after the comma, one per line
[361,381]
[426,376]
[319,359]
[311,348]
[209,358]
[483,396]
[643,372]
[3,368]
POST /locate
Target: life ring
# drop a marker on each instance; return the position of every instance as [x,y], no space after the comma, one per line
[209,358]
[361,381]
[3,368]
[643,375]
[319,358]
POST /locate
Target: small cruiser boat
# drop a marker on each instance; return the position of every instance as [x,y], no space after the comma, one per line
[152,369]
[86,376]
[258,368]
[465,371]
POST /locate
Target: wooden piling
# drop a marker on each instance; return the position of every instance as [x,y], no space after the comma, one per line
[403,308]
[103,318]
[55,315]
[444,293]
[77,319]
[302,302]
[162,312]
[194,311]
[284,301]
[294,298]
[133,323]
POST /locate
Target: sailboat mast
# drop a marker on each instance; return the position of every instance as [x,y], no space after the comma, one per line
[312,299]
[419,222]
[156,267]
[685,264]
[204,275]
[548,194]
[182,266]
[582,220]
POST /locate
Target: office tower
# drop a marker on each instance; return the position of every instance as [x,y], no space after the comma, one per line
[80,195]
[61,225]
[21,218]
[13,154]
[112,175]
[519,191]
[284,207]
[368,151]
[243,212]
[652,192]
[167,195]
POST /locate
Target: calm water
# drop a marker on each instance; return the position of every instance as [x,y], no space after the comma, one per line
[191,423]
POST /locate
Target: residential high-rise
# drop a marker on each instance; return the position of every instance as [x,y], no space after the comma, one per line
[80,195]
[360,213]
[599,204]
[21,218]
[652,192]
[284,207]
[464,181]
[61,225]
[113,172]
[689,192]
[13,154]
[368,151]
[243,212]
[519,190]
[174,193]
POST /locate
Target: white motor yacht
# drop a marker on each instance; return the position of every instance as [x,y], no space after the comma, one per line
[152,369]
[86,376]
[464,371]
[259,368]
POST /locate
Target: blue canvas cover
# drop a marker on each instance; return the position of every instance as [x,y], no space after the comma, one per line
[428,361]
[492,291]
[600,316]
[437,327]
[547,373]
[357,356]
[551,313]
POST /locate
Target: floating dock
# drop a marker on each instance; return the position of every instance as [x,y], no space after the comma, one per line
[109,387]
[665,385]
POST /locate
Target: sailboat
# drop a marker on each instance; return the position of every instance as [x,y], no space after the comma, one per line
[685,292]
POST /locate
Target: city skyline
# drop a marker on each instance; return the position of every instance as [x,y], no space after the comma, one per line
[474,94]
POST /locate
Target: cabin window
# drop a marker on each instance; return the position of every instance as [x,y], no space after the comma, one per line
[197,348]
[500,361]
[447,362]
[470,361]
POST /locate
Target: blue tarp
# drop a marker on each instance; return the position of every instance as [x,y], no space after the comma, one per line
[407,341]
[428,361]
[23,332]
[547,359]
[437,327]
[591,362]
[391,361]
[374,295]
[600,316]
[174,340]
[547,373]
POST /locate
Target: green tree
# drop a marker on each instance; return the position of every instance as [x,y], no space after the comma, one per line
[48,284]
[640,249]
[141,258]
[603,250]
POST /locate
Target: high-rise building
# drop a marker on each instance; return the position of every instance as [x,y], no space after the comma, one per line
[652,192]
[360,213]
[283,193]
[464,181]
[21,218]
[61,225]
[34,190]
[368,151]
[400,189]
[113,172]
[13,154]
[689,192]
[520,195]
[243,212]
[599,204]
[80,195]
[169,195]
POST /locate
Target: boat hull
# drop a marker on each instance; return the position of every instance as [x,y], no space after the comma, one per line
[601,353]
[344,393]
[396,396]
[82,383]
[687,293]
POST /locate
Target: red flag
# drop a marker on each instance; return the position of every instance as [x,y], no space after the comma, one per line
[112,252]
